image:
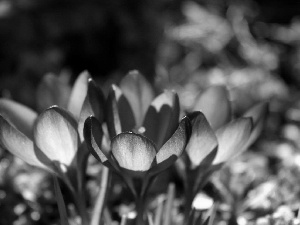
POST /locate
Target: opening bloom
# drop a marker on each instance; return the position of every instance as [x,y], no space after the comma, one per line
[216,138]
[54,136]
[145,135]
[215,135]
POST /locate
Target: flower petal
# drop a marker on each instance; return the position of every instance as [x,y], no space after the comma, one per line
[78,94]
[174,147]
[258,114]
[93,106]
[232,137]
[19,115]
[119,113]
[18,144]
[215,105]
[139,93]
[133,151]
[93,134]
[53,90]
[55,133]
[161,119]
[203,139]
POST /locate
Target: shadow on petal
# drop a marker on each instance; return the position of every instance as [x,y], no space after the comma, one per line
[203,139]
[93,136]
[173,148]
[93,106]
[139,93]
[119,115]
[161,119]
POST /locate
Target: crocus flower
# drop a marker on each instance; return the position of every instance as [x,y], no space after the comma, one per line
[145,135]
[53,137]
[216,138]
[214,103]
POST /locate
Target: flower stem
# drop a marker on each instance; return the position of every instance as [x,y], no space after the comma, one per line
[79,199]
[169,205]
[100,201]
[140,207]
[189,197]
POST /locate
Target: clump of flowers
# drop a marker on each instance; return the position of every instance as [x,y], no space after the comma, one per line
[53,140]
[215,139]
[144,137]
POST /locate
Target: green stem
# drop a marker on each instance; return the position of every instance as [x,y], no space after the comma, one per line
[169,205]
[79,199]
[189,197]
[100,201]
[140,207]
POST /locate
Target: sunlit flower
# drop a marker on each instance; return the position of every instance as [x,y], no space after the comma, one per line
[216,138]
[214,103]
[145,135]
[52,139]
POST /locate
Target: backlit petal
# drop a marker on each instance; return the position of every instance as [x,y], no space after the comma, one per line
[215,106]
[53,90]
[78,94]
[231,138]
[19,115]
[18,144]
[133,152]
[174,147]
[258,114]
[55,133]
[203,139]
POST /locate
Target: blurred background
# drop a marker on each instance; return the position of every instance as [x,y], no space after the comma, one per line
[251,46]
[172,39]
